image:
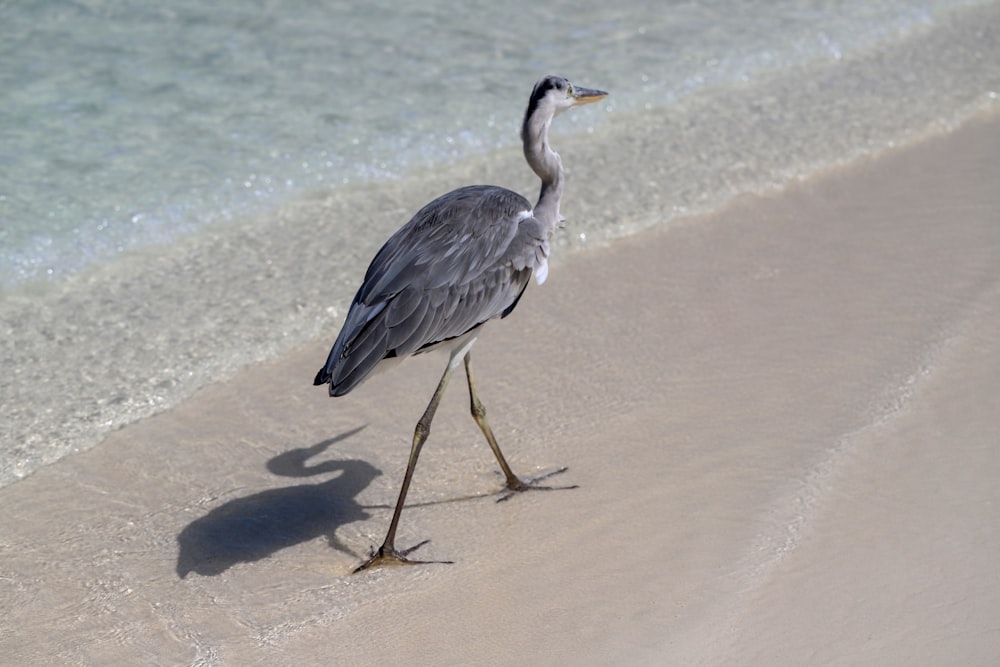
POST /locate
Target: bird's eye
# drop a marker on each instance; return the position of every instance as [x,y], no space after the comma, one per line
[569,89]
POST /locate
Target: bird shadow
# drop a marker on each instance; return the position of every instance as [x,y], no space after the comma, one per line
[254,527]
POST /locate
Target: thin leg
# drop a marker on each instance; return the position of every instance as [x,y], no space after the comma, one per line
[388,552]
[514,483]
[479,414]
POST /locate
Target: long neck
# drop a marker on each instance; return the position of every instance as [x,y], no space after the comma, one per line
[546,163]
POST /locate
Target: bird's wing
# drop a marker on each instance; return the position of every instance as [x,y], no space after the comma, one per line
[463,259]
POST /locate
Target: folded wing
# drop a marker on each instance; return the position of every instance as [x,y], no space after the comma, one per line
[464,259]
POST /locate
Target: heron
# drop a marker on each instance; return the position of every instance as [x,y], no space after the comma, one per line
[464,259]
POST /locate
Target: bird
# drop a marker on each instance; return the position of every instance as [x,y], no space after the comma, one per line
[462,260]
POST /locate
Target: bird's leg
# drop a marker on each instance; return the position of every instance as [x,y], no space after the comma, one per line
[514,483]
[479,414]
[388,552]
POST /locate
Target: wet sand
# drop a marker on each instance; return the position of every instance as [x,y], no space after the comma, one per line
[782,420]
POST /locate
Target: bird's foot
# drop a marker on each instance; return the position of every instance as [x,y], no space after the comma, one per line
[388,555]
[516,485]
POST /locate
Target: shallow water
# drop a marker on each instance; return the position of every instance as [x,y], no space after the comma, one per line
[127,123]
[188,190]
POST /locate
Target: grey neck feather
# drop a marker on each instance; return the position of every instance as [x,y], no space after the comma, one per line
[546,163]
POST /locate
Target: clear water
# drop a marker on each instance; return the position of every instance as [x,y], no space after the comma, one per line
[189,187]
[128,123]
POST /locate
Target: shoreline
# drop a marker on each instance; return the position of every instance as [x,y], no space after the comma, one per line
[119,344]
[780,416]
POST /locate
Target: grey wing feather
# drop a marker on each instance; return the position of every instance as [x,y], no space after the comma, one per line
[463,259]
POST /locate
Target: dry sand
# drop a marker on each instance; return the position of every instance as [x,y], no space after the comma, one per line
[782,419]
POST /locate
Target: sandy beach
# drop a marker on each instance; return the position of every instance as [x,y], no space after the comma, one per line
[782,419]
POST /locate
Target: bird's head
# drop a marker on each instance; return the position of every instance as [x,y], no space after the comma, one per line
[554,94]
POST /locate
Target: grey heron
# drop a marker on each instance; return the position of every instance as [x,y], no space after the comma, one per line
[462,260]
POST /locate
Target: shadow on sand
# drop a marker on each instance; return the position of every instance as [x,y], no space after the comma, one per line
[254,527]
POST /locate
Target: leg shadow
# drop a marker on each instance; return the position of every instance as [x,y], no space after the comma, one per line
[254,527]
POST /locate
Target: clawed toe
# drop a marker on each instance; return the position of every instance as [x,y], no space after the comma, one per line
[388,555]
[515,485]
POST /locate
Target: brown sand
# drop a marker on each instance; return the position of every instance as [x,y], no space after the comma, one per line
[783,420]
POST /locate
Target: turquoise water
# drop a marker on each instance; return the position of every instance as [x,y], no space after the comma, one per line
[128,123]
[187,189]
